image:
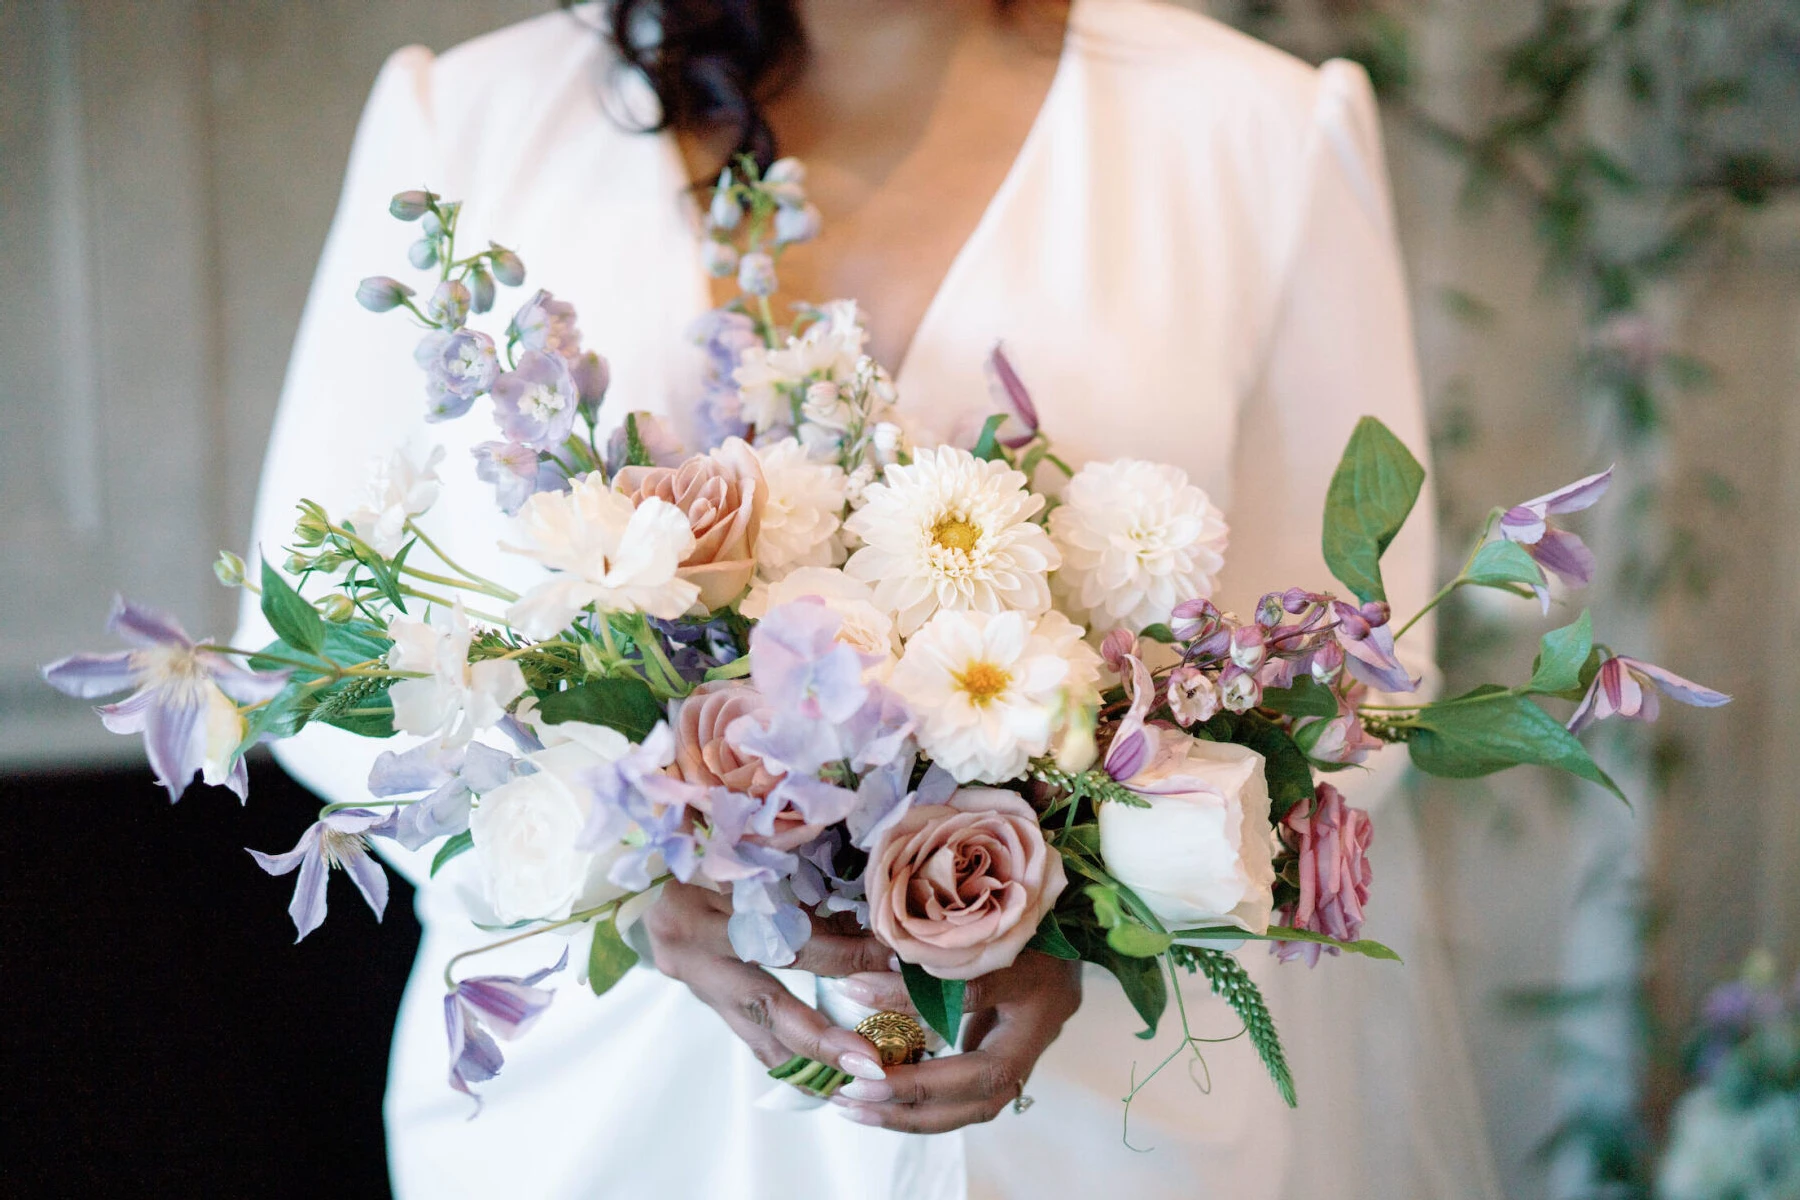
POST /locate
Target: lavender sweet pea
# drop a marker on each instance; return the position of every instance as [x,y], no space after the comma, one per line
[478,1010]
[1627,687]
[183,704]
[338,839]
[1557,550]
[536,404]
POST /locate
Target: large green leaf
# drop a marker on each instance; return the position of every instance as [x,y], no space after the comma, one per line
[1141,978]
[1285,766]
[1049,939]
[1366,947]
[1490,730]
[1561,655]
[939,1001]
[1501,564]
[622,703]
[1306,698]
[987,446]
[1374,488]
[455,844]
[608,957]
[294,620]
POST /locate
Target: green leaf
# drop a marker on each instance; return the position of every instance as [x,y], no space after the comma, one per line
[1230,981]
[293,619]
[1135,941]
[1491,730]
[1049,940]
[608,957]
[1158,632]
[452,847]
[622,703]
[987,446]
[1141,978]
[737,668]
[1374,488]
[1285,766]
[1306,698]
[1284,933]
[1108,910]
[939,1001]
[1561,655]
[1500,564]
[1083,839]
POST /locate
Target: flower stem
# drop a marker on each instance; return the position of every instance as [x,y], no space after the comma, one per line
[1462,576]
[432,546]
[575,918]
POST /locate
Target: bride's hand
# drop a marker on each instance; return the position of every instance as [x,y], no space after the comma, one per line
[1014,1015]
[687,934]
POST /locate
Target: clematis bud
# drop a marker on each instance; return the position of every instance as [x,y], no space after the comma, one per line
[756,274]
[423,254]
[508,268]
[449,304]
[378,293]
[411,205]
[229,568]
[721,259]
[481,286]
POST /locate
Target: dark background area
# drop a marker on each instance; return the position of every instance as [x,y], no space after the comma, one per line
[164,1035]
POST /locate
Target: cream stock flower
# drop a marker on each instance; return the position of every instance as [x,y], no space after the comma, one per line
[1136,540]
[951,532]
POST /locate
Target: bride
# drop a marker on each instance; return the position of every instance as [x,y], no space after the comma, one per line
[1183,237]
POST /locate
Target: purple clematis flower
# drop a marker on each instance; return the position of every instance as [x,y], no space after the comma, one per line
[338,839]
[1004,380]
[1628,687]
[1556,550]
[459,365]
[1367,640]
[183,702]
[536,404]
[453,775]
[478,1010]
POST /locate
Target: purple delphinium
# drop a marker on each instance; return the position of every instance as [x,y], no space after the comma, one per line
[517,472]
[536,404]
[478,1010]
[547,324]
[453,775]
[1556,550]
[449,304]
[459,365]
[1627,687]
[592,376]
[178,686]
[339,839]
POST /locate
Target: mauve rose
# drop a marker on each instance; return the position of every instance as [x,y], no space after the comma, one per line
[723,494]
[706,756]
[959,888]
[1334,872]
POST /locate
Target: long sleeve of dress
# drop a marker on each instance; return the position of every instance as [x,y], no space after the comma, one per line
[1377,1046]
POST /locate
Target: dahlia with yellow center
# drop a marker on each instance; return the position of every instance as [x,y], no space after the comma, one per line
[991,690]
[950,532]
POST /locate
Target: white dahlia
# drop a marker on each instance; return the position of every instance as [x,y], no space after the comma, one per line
[950,531]
[990,689]
[1136,539]
[804,508]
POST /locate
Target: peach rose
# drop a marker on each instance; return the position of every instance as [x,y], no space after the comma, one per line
[723,494]
[706,756]
[959,888]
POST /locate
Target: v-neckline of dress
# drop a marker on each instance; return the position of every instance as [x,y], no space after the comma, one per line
[675,167]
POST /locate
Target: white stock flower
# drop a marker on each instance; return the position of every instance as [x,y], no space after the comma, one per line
[865,627]
[1199,855]
[951,532]
[400,486]
[989,689]
[828,349]
[456,698]
[803,511]
[606,552]
[1136,539]
[525,833]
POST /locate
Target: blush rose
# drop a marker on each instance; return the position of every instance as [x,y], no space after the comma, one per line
[722,494]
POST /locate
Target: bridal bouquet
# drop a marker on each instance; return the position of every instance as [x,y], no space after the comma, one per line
[972,699]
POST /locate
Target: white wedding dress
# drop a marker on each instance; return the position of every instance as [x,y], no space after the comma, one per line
[1191,260]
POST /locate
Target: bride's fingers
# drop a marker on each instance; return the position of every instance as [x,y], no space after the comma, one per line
[776,1025]
[886,990]
[834,954]
[936,1119]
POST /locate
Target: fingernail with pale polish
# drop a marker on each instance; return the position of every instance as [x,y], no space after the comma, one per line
[861,1066]
[861,1116]
[894,963]
[866,1089]
[858,991]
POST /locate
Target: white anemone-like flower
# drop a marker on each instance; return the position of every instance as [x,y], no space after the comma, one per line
[454,699]
[829,349]
[804,509]
[991,689]
[607,553]
[866,628]
[1136,539]
[400,486]
[950,531]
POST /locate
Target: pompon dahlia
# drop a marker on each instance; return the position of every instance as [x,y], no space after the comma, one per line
[951,532]
[1136,540]
[801,518]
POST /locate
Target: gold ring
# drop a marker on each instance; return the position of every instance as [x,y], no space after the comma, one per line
[898,1039]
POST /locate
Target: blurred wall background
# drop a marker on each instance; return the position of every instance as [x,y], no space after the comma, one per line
[168,169]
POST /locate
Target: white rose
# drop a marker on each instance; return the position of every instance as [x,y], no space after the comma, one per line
[525,833]
[1199,855]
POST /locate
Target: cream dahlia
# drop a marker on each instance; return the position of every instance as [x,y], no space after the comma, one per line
[1136,540]
[991,689]
[802,513]
[951,532]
